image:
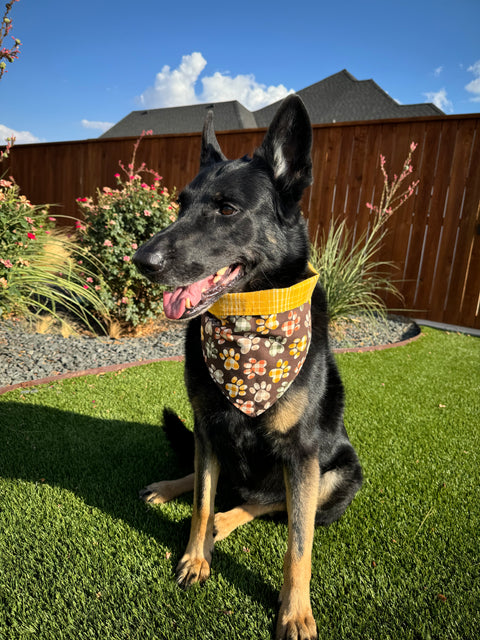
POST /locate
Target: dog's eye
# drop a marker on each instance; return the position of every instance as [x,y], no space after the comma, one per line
[227,209]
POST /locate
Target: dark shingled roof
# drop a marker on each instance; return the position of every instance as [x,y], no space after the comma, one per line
[228,115]
[338,98]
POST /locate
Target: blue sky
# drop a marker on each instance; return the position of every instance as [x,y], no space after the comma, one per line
[84,64]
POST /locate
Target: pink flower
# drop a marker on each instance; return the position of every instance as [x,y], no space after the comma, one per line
[117,175]
[85,286]
[89,279]
[82,199]
[134,245]
[124,300]
[31,236]
[126,258]
[6,263]
[29,220]
[52,219]
[147,213]
[107,243]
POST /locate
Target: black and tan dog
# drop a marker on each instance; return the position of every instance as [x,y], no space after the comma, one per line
[266,394]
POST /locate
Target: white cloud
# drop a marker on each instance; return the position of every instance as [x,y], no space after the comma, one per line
[243,88]
[474,85]
[437,71]
[175,88]
[21,137]
[440,100]
[179,86]
[96,124]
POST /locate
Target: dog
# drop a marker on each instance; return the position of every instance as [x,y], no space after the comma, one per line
[266,394]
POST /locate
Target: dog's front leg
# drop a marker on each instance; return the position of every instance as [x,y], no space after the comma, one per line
[295,618]
[195,563]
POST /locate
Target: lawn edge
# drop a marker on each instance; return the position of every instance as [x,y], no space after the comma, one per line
[128,365]
[85,372]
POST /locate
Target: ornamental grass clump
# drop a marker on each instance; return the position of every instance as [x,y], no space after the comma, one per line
[115,223]
[353,279]
[39,266]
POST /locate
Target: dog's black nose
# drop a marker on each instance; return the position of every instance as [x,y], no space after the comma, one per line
[148,262]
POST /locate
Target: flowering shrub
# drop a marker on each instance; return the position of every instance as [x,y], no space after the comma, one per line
[38,269]
[351,276]
[114,225]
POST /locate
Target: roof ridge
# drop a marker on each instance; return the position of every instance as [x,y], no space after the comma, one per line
[340,97]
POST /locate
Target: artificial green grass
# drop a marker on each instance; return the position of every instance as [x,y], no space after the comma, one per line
[82,557]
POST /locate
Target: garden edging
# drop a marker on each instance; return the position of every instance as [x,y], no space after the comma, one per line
[128,365]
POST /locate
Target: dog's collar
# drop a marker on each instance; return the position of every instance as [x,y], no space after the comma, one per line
[266,302]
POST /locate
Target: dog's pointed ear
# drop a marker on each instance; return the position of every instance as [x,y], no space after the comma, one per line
[211,152]
[287,148]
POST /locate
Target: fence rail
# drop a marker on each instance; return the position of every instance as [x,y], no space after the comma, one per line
[434,238]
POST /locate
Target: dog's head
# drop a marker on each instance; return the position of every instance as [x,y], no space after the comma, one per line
[239,226]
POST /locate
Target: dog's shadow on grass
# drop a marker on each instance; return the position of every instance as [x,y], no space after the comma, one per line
[106,462]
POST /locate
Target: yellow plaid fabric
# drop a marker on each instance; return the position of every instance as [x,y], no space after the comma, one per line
[266,302]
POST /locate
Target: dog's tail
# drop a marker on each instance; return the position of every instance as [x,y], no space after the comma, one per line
[179,437]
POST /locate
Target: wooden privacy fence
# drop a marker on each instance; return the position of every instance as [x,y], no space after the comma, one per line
[434,238]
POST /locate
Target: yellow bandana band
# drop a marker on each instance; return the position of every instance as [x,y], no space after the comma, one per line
[268,301]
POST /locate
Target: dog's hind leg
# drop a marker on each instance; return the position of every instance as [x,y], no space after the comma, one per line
[338,486]
[161,492]
[225,522]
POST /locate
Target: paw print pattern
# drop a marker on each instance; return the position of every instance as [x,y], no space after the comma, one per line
[254,359]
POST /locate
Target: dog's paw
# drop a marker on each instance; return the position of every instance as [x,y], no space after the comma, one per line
[156,493]
[223,525]
[296,623]
[191,570]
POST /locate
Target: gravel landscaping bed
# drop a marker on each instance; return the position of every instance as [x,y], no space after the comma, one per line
[28,356]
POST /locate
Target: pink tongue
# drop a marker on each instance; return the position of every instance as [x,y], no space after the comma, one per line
[174,302]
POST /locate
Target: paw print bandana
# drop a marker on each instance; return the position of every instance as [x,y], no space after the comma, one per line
[255,343]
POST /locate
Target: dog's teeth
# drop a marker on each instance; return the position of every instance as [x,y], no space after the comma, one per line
[216,279]
[188,303]
[220,272]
